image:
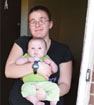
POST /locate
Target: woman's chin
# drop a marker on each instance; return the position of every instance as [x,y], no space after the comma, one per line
[37,36]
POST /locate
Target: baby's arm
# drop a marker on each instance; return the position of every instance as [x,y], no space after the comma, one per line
[52,64]
[31,59]
[24,60]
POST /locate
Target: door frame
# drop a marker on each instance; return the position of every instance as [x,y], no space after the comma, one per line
[87,58]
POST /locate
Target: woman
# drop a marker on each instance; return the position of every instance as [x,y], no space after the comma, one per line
[39,24]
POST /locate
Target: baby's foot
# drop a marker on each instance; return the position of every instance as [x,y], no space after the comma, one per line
[41,103]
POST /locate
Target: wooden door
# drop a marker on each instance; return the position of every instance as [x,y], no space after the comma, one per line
[10,30]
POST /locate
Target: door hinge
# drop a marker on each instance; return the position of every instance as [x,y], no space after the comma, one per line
[88,75]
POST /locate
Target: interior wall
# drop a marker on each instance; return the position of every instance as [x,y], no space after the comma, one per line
[24,18]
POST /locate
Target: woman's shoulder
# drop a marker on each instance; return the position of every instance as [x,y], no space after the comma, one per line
[62,50]
[22,41]
[23,38]
[59,45]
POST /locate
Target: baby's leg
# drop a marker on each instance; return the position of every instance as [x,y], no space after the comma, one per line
[33,99]
[53,103]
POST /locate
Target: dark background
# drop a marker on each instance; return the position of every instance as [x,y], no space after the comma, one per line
[10,30]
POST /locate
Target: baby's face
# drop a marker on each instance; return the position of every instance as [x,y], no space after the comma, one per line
[36,48]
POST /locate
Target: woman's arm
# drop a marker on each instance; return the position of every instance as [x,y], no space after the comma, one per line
[65,77]
[12,70]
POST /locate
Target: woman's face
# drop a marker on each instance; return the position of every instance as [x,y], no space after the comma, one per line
[39,24]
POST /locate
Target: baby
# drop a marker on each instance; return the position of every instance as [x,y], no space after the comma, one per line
[37,49]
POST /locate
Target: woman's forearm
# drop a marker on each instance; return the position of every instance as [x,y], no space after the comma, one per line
[64,89]
[64,81]
[12,70]
[17,71]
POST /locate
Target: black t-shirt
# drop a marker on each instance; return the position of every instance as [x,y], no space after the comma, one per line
[58,52]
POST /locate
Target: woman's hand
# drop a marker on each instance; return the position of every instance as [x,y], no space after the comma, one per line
[44,70]
[40,94]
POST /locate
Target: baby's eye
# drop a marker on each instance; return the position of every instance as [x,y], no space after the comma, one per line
[32,48]
[40,48]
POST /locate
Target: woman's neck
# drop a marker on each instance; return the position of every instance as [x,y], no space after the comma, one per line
[48,41]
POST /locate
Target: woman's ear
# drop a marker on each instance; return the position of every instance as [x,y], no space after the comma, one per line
[51,24]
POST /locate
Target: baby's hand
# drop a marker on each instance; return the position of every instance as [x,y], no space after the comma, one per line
[21,61]
[53,65]
[30,59]
[48,61]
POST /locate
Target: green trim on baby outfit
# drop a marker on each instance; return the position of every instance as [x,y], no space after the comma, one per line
[34,77]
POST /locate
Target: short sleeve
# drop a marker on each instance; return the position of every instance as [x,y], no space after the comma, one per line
[59,52]
[23,42]
[66,55]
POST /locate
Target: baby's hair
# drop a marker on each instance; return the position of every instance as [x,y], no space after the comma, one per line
[41,39]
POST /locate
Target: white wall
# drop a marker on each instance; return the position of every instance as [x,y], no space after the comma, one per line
[24,17]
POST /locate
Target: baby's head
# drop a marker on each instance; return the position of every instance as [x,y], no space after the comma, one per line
[37,47]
